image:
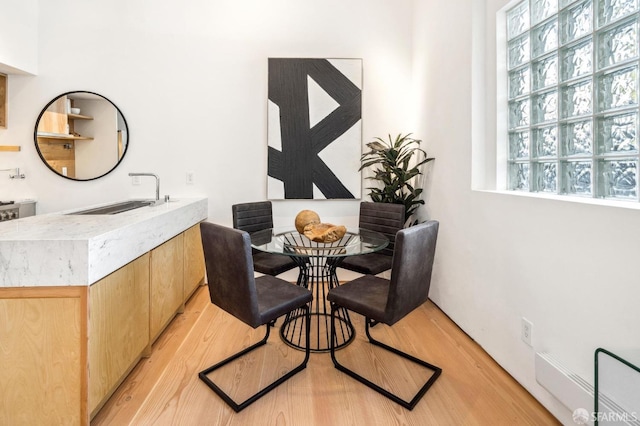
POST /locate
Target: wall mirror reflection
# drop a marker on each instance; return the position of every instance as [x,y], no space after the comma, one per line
[81,135]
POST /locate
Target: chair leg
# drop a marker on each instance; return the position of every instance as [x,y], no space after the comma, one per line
[240,406]
[406,404]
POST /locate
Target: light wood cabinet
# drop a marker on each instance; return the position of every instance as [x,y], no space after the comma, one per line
[193,261]
[118,328]
[66,349]
[167,284]
[43,341]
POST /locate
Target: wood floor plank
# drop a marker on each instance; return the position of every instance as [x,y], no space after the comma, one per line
[165,389]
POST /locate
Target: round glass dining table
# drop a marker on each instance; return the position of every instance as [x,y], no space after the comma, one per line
[317,263]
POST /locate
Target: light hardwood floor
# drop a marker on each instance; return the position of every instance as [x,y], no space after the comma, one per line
[165,390]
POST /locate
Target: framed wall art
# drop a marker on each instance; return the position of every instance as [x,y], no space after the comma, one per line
[314,128]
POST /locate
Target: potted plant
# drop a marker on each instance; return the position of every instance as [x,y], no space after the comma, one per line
[395,164]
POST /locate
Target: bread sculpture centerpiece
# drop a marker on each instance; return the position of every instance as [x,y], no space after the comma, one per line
[308,224]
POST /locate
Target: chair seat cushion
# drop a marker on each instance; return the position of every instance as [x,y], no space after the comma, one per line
[271,264]
[371,263]
[277,297]
[366,295]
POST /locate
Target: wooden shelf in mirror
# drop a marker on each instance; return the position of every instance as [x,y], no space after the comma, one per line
[79,117]
[62,136]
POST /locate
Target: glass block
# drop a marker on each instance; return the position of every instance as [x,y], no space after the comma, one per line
[519,145]
[577,60]
[519,51]
[620,178]
[546,175]
[577,21]
[519,113]
[611,10]
[545,107]
[577,99]
[618,133]
[518,20]
[618,89]
[542,9]
[577,177]
[519,82]
[545,72]
[618,44]
[577,138]
[545,140]
[519,176]
[564,3]
[544,38]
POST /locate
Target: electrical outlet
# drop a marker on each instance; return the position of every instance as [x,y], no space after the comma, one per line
[135,180]
[526,331]
[191,178]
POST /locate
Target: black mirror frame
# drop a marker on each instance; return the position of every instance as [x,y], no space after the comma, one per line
[35,134]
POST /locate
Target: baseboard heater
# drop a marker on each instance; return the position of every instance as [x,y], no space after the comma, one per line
[574,392]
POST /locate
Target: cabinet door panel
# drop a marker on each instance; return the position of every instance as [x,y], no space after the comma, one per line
[118,327]
[41,357]
[193,260]
[167,283]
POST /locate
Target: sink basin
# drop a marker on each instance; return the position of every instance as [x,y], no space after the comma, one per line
[117,207]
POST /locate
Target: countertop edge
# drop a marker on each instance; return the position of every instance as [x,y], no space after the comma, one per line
[83,260]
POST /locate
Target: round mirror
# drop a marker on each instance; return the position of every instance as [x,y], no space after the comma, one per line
[81,135]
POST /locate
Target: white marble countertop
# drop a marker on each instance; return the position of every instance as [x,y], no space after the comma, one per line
[62,249]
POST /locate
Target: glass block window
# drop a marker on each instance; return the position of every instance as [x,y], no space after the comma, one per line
[573,81]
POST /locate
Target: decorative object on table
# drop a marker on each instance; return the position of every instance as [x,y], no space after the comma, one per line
[325,232]
[388,301]
[314,128]
[304,218]
[395,163]
[308,224]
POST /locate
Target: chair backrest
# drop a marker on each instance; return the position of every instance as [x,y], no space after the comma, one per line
[232,287]
[385,218]
[411,270]
[252,217]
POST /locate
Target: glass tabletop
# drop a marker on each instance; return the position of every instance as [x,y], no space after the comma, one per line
[281,241]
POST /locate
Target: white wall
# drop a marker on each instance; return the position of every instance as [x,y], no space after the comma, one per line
[570,268]
[19,36]
[190,79]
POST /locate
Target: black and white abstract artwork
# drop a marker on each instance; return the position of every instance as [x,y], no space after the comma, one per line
[314,128]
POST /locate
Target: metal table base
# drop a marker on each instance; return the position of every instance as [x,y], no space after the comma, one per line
[318,274]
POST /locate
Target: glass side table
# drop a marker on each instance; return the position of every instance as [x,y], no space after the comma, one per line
[617,388]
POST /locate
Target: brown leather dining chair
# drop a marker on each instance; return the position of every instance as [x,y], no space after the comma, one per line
[388,301]
[254,301]
[255,217]
[385,218]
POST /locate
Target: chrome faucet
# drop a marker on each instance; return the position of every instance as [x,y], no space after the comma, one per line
[157,184]
[17,174]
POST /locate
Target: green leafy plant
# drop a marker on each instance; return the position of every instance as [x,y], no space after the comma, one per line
[394,166]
